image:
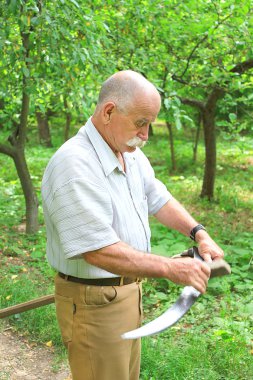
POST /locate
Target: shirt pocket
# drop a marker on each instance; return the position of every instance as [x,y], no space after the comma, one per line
[65,309]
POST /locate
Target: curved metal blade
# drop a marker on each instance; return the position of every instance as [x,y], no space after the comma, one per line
[169,317]
[184,302]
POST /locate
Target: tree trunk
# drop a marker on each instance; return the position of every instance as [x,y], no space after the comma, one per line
[2,105]
[68,119]
[31,199]
[210,150]
[67,126]
[16,149]
[172,148]
[208,114]
[43,127]
[196,142]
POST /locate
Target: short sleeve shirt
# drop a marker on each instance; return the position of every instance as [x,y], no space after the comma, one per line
[89,202]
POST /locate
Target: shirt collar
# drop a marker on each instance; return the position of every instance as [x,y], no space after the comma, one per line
[106,156]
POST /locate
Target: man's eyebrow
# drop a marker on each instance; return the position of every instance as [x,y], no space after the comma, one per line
[142,121]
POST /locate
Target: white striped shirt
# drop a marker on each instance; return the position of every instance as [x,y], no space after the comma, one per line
[89,202]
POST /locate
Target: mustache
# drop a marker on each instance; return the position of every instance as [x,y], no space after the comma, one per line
[136,142]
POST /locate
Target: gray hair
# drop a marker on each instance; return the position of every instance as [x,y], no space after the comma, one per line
[121,89]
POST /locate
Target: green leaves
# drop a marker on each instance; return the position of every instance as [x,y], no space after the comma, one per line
[26,72]
[75,3]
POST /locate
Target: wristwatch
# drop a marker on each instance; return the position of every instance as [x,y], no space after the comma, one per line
[195,230]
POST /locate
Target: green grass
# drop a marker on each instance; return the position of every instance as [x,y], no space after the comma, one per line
[215,339]
[190,357]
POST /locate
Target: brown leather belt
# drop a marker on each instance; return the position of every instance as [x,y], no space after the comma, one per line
[117,281]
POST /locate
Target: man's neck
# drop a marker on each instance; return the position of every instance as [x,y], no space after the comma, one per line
[120,157]
[100,129]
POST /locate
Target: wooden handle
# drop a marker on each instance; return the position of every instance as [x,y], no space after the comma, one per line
[219,268]
[33,304]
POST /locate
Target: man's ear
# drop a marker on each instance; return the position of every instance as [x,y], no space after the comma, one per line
[108,109]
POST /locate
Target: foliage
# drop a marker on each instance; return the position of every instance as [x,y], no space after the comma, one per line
[187,49]
[63,44]
[191,356]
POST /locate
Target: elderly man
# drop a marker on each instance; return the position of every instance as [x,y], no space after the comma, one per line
[98,190]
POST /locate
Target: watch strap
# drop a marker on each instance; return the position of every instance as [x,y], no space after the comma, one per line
[195,230]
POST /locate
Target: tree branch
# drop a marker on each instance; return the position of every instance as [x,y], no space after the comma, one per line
[215,94]
[193,103]
[9,151]
[179,79]
[200,42]
[241,67]
[217,91]
[191,54]
[25,96]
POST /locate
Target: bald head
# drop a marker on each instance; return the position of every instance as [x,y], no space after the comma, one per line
[124,88]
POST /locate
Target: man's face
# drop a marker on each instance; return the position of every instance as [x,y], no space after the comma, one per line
[129,130]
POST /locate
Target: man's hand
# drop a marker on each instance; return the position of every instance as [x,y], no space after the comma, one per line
[188,271]
[174,215]
[208,249]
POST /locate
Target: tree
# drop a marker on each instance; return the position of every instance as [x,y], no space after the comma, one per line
[18,54]
[45,57]
[196,51]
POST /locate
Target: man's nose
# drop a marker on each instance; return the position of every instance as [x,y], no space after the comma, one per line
[143,134]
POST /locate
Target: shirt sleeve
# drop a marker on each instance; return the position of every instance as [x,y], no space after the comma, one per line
[82,214]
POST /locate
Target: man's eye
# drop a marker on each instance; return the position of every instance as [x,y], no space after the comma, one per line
[141,124]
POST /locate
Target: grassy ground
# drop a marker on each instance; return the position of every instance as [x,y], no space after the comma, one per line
[214,340]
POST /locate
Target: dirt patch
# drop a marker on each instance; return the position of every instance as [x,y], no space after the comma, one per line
[20,360]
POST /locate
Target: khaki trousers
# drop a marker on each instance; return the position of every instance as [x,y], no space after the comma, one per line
[91,320]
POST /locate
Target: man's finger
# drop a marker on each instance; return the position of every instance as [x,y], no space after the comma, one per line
[200,285]
[206,257]
[218,257]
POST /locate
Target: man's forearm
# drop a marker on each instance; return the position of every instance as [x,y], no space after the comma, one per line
[124,260]
[174,215]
